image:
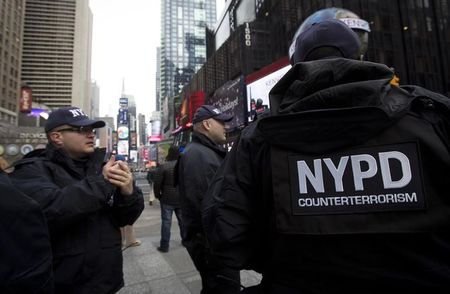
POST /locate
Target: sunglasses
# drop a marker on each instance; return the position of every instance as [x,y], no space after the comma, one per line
[79,130]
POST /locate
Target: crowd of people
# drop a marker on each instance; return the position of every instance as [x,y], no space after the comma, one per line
[342,188]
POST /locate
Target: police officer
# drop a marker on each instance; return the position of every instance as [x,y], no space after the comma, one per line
[195,170]
[360,26]
[343,189]
[84,200]
[26,256]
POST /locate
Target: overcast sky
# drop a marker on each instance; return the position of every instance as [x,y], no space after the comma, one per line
[125,36]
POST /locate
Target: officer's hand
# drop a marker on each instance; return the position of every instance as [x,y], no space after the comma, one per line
[118,173]
[108,166]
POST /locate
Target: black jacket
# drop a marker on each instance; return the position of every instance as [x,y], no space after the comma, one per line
[26,256]
[164,184]
[262,217]
[196,168]
[84,213]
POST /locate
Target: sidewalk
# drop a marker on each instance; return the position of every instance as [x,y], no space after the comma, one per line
[146,270]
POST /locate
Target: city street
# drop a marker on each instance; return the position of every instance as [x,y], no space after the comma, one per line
[146,270]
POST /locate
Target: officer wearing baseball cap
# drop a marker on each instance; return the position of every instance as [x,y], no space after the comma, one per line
[84,200]
[342,188]
[196,167]
[209,111]
[72,116]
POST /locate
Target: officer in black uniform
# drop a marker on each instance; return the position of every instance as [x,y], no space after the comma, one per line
[344,188]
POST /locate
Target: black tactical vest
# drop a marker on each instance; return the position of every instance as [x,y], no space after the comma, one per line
[396,181]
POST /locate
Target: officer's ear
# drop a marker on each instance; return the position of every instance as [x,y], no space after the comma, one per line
[55,138]
[206,124]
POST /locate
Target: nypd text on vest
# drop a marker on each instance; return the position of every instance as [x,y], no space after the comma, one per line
[366,179]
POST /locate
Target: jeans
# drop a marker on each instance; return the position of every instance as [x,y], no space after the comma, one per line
[166,217]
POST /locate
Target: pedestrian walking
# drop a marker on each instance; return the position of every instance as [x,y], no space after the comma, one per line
[197,166]
[150,180]
[85,201]
[129,237]
[343,189]
[166,190]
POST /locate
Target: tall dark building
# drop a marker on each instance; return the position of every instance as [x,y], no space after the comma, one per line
[184,25]
[411,36]
[11,26]
[183,41]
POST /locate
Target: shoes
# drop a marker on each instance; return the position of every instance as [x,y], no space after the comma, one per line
[164,250]
[134,244]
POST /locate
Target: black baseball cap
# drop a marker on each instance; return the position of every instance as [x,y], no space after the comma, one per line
[328,33]
[209,111]
[72,116]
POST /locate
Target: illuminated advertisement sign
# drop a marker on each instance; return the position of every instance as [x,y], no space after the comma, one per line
[133,140]
[155,135]
[114,140]
[123,102]
[258,92]
[133,156]
[122,132]
[26,100]
[122,147]
[230,99]
[123,116]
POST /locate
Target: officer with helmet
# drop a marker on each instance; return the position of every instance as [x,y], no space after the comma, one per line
[358,25]
[344,188]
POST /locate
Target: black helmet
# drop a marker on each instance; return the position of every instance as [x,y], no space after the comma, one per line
[360,26]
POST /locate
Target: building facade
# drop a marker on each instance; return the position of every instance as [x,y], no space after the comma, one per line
[94,100]
[142,130]
[11,26]
[411,36]
[158,79]
[56,60]
[183,41]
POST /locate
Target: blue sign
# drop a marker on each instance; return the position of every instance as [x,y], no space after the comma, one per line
[123,116]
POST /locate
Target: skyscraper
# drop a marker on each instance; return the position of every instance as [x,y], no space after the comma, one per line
[56,58]
[11,24]
[183,41]
[158,79]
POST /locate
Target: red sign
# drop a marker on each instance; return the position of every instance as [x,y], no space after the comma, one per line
[196,100]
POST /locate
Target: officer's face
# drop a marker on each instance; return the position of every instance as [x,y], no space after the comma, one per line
[217,131]
[77,142]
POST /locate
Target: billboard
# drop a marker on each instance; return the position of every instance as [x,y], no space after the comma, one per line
[258,92]
[122,132]
[123,116]
[133,140]
[26,99]
[133,156]
[123,102]
[122,147]
[229,98]
[155,134]
[115,139]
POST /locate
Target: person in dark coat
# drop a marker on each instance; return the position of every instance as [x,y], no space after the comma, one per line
[196,167]
[26,256]
[344,188]
[85,202]
[150,180]
[166,191]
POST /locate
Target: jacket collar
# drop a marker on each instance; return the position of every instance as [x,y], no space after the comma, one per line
[94,162]
[316,104]
[204,140]
[334,83]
